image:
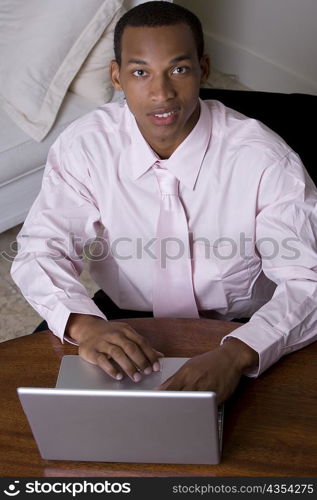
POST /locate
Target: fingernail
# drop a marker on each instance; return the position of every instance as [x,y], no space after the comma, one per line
[137,377]
[148,370]
[156,366]
[160,353]
[119,376]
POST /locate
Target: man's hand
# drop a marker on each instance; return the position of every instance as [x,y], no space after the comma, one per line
[114,346]
[219,370]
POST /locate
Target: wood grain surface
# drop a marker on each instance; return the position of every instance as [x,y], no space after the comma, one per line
[270,426]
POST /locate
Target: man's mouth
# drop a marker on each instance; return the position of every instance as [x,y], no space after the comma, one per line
[165,115]
[162,117]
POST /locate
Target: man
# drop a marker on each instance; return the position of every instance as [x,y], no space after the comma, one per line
[242,190]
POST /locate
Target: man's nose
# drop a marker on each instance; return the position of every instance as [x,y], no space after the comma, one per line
[161,89]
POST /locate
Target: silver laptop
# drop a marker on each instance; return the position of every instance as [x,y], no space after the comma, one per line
[89,416]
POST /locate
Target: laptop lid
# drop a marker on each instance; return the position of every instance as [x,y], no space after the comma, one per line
[123,422]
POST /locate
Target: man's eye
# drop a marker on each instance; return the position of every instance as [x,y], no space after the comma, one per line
[180,70]
[139,72]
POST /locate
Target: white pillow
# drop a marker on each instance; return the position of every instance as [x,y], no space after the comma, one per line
[43,44]
[93,79]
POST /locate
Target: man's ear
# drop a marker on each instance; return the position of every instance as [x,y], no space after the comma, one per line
[205,68]
[115,75]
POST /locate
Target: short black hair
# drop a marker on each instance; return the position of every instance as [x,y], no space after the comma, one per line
[155,14]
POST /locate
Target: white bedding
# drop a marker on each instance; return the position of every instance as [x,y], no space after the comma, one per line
[43,45]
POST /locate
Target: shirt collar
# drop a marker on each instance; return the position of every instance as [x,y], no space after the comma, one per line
[186,160]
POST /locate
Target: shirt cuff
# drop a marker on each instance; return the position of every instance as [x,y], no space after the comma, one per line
[58,317]
[265,341]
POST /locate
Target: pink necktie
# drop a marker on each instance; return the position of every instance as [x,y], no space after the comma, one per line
[173,293]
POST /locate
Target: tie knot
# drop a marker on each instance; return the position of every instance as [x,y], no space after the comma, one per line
[167,182]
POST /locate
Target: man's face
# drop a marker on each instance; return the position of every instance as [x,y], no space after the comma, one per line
[160,75]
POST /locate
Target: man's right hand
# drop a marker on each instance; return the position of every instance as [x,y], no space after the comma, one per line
[114,346]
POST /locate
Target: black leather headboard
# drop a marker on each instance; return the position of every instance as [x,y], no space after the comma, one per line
[292,116]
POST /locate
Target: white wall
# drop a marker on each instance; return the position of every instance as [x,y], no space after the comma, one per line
[270,45]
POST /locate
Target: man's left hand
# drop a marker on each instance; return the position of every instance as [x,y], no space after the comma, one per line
[219,370]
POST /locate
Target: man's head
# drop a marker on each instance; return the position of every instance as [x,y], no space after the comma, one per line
[153,15]
[160,66]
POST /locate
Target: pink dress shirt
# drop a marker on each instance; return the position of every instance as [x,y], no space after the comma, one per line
[251,209]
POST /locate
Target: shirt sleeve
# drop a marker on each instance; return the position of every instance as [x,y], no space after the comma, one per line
[286,240]
[63,219]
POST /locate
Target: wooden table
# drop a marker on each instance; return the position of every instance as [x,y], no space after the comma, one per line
[270,424]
